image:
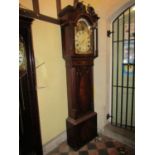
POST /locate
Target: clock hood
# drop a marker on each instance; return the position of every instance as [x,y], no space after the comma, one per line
[69,13]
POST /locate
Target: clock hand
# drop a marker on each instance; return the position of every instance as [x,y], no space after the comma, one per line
[82,41]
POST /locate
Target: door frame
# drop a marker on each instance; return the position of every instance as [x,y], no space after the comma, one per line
[109,42]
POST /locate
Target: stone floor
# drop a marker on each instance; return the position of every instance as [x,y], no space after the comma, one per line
[102,146]
[125,136]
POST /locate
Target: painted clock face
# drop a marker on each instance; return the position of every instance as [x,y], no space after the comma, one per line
[22,56]
[83,37]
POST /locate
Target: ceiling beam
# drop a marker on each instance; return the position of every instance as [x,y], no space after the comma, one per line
[58,3]
[32,14]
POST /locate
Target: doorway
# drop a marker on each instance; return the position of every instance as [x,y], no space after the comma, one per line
[123,70]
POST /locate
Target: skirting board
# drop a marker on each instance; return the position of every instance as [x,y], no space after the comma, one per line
[53,143]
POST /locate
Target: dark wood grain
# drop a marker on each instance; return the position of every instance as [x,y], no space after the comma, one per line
[32,14]
[35,6]
[82,120]
[58,4]
[30,137]
[82,130]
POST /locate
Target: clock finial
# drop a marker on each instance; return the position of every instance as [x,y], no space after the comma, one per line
[80,6]
[91,11]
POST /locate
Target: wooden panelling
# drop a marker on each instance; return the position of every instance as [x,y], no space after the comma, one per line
[35,6]
[31,14]
[58,2]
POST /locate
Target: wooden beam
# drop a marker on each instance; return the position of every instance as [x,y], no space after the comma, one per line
[58,3]
[35,6]
[75,1]
[49,19]
[32,14]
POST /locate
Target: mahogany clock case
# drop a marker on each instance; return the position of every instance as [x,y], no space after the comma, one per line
[69,17]
[82,120]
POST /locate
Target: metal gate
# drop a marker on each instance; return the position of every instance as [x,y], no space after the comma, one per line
[123,70]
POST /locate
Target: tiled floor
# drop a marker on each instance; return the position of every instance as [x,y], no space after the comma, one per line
[104,146]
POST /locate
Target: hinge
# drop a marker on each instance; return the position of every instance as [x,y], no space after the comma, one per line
[109,33]
[108,116]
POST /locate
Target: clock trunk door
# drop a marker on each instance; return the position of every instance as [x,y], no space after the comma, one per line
[85,90]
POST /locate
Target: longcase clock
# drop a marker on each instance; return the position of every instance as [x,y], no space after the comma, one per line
[29,122]
[79,46]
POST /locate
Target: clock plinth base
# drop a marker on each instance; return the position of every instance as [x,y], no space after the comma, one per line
[82,130]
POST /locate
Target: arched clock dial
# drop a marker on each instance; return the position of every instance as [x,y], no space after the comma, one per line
[83,37]
[22,57]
